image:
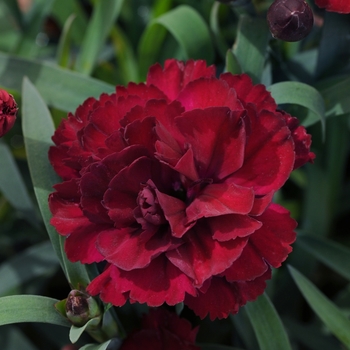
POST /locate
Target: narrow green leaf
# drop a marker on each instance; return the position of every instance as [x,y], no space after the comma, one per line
[37,130]
[76,332]
[327,311]
[251,46]
[267,325]
[30,308]
[127,63]
[35,261]
[12,185]
[96,346]
[332,254]
[303,95]
[232,64]
[32,26]
[186,26]
[104,15]
[63,49]
[215,28]
[336,96]
[62,11]
[60,88]
[15,11]
[160,6]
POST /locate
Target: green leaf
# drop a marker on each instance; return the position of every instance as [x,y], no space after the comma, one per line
[62,10]
[215,28]
[63,49]
[76,332]
[30,308]
[232,64]
[332,254]
[60,88]
[104,15]
[186,26]
[267,325]
[15,11]
[33,23]
[330,315]
[96,346]
[251,46]
[12,186]
[303,95]
[37,130]
[336,97]
[35,261]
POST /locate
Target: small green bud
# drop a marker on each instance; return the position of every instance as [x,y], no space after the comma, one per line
[81,307]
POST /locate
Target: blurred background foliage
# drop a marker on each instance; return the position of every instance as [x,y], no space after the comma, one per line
[72,49]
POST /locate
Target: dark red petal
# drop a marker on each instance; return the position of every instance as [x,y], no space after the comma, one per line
[220,199]
[64,206]
[104,284]
[247,267]
[187,165]
[93,141]
[248,93]
[273,239]
[302,141]
[175,212]
[160,282]
[162,318]
[269,156]
[223,298]
[142,133]
[217,138]
[227,227]
[93,185]
[57,156]
[261,203]
[81,244]
[120,198]
[341,6]
[129,249]
[201,257]
[176,75]
[204,93]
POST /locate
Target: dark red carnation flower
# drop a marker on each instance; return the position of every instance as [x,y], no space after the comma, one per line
[341,6]
[8,111]
[162,330]
[170,182]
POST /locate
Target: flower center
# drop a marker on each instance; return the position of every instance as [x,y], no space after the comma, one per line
[148,210]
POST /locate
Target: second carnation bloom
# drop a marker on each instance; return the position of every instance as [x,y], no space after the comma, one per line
[171,182]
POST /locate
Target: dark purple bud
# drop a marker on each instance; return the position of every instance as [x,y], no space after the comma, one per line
[290,20]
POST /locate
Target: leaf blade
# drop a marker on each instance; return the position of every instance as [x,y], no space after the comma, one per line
[267,325]
[30,308]
[37,130]
[330,315]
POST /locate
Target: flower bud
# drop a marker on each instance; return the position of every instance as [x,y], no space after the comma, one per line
[8,111]
[81,307]
[290,20]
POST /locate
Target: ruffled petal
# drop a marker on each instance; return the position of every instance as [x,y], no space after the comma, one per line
[201,257]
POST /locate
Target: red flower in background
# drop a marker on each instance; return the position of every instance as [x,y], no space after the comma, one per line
[170,182]
[8,111]
[162,330]
[341,6]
